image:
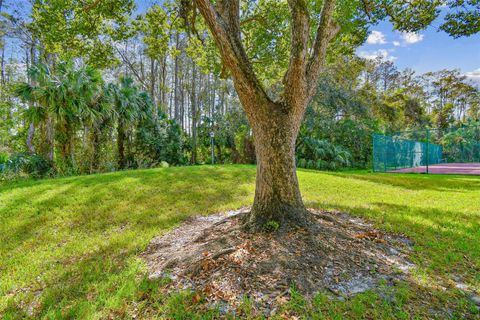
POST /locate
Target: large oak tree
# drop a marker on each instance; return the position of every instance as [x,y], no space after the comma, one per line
[275,115]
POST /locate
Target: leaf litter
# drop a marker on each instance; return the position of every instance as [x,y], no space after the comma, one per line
[214,256]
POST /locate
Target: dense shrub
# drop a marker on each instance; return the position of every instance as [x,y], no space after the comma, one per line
[461,144]
[159,140]
[317,154]
[24,165]
[233,139]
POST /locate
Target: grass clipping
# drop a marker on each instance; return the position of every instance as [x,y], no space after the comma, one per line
[213,255]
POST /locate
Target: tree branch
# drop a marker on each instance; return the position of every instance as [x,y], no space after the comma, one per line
[92,5]
[131,67]
[224,26]
[326,31]
[295,81]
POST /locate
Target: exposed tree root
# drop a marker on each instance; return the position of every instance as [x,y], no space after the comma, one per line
[336,253]
[285,218]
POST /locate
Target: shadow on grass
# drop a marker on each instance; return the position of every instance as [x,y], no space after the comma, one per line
[446,242]
[107,279]
[83,230]
[417,181]
[86,232]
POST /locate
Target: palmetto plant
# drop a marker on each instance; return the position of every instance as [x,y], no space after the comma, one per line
[127,104]
[39,93]
[97,116]
[66,97]
[312,153]
[76,91]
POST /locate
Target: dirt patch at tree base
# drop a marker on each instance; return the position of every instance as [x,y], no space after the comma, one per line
[340,254]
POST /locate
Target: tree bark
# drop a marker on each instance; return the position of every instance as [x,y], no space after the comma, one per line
[152,80]
[29,141]
[163,99]
[121,144]
[277,192]
[177,85]
[193,103]
[50,138]
[276,123]
[95,141]
[31,127]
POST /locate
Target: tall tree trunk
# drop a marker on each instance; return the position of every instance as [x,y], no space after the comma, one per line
[223,108]
[50,138]
[3,66]
[95,141]
[29,141]
[181,111]
[152,80]
[31,127]
[214,94]
[177,85]
[193,103]
[71,147]
[170,99]
[121,144]
[163,88]
[65,145]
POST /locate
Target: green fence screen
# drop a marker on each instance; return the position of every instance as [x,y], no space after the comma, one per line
[449,150]
[392,153]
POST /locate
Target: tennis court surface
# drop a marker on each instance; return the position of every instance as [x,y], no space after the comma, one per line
[444,168]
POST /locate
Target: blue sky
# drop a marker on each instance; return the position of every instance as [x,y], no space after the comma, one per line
[424,51]
[428,50]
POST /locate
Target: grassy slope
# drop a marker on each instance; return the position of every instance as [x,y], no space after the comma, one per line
[76,240]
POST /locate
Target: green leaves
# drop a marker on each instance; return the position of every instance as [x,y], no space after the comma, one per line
[317,154]
[126,100]
[74,28]
[156,26]
[266,36]
[464,19]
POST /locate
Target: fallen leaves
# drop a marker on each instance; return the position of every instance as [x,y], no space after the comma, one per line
[372,235]
[228,265]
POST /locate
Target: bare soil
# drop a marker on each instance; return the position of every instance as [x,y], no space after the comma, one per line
[341,255]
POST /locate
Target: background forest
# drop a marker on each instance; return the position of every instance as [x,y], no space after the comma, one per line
[138,89]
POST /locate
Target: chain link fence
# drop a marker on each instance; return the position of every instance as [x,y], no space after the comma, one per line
[453,150]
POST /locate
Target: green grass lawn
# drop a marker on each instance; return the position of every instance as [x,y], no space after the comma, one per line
[69,247]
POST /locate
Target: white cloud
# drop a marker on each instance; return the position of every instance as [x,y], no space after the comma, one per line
[411,37]
[474,76]
[380,53]
[396,43]
[376,37]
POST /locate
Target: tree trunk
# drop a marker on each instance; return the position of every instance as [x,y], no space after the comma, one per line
[2,63]
[163,88]
[95,140]
[275,123]
[30,134]
[193,104]
[152,81]
[50,138]
[177,86]
[277,193]
[71,147]
[121,145]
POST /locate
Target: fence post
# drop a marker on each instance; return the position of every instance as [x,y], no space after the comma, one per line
[373,152]
[428,142]
[386,153]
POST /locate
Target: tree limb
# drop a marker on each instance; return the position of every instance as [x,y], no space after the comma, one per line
[131,67]
[224,25]
[92,5]
[326,31]
[295,81]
